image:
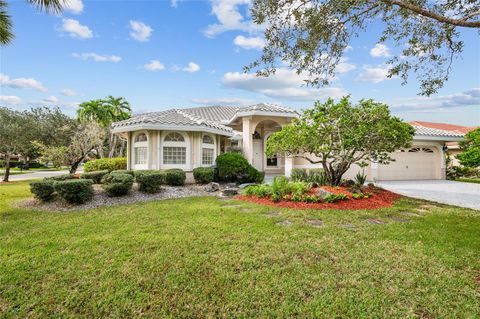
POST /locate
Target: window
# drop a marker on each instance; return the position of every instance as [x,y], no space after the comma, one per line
[142,137]
[140,155]
[174,137]
[207,156]
[427,150]
[207,139]
[174,155]
[272,161]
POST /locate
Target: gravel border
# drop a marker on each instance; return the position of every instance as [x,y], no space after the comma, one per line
[100,198]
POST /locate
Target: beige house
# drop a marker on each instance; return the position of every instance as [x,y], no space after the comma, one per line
[194,137]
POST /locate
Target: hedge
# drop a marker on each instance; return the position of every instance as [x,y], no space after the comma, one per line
[43,190]
[74,191]
[63,177]
[109,164]
[233,167]
[175,177]
[117,184]
[203,175]
[124,171]
[95,176]
[149,182]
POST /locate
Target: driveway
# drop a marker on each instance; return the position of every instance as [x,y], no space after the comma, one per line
[36,174]
[442,191]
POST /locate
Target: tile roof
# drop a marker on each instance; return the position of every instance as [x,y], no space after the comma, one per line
[446,127]
[427,131]
[215,113]
[267,107]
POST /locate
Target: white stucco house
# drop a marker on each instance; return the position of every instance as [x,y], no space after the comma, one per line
[194,137]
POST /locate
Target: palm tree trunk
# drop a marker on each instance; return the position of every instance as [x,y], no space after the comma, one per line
[122,147]
[7,168]
[113,145]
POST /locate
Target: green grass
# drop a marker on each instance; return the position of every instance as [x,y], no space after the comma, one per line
[194,258]
[13,172]
[469,180]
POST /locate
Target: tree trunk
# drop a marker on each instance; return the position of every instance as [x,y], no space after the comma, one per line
[100,151]
[7,168]
[122,147]
[113,144]
[74,166]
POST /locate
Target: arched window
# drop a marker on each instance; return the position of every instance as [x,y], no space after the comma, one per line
[208,149]
[174,149]
[427,150]
[140,151]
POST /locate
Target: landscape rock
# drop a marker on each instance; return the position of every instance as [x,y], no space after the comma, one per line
[230,192]
[212,187]
[323,193]
[242,186]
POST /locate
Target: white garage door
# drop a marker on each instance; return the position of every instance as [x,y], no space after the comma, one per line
[413,163]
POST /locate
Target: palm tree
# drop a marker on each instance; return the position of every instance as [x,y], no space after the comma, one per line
[6,34]
[120,110]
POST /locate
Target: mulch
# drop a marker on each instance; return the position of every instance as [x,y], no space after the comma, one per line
[380,198]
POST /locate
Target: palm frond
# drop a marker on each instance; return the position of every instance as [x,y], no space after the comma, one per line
[6,34]
[49,6]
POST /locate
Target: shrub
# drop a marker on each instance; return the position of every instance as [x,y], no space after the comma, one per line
[360,179]
[299,175]
[252,175]
[117,184]
[317,176]
[311,199]
[203,175]
[231,166]
[150,182]
[144,171]
[109,164]
[260,191]
[281,186]
[95,176]
[175,177]
[123,171]
[75,191]
[63,177]
[35,165]
[42,190]
[300,188]
[332,198]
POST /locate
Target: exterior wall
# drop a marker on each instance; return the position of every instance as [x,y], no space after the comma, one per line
[453,155]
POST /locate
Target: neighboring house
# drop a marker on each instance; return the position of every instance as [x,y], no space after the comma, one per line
[453,147]
[194,137]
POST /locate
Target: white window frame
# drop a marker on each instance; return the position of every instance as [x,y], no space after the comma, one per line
[140,144]
[209,146]
[185,144]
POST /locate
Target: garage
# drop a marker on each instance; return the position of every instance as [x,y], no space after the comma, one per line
[418,162]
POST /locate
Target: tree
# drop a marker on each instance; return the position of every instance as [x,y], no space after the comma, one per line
[337,135]
[85,140]
[311,36]
[105,112]
[6,25]
[15,135]
[471,149]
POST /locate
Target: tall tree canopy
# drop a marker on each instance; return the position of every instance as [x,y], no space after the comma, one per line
[312,35]
[337,135]
[6,24]
[471,149]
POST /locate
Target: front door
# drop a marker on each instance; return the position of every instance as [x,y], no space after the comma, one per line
[258,154]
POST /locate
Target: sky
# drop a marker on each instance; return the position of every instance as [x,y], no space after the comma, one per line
[178,54]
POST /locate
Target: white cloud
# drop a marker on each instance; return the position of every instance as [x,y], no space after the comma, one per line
[97,57]
[191,67]
[462,99]
[51,100]
[140,31]
[284,84]
[73,6]
[380,50]
[174,3]
[229,17]
[68,92]
[21,83]
[10,99]
[249,43]
[225,101]
[344,66]
[154,65]
[373,74]
[75,29]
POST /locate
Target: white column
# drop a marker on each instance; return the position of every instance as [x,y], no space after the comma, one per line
[288,166]
[443,163]
[129,150]
[247,139]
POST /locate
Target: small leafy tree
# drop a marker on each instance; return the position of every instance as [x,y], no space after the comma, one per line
[337,135]
[471,149]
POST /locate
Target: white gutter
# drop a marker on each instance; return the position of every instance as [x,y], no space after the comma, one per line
[162,127]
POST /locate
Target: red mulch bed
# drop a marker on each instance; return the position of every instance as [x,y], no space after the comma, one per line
[380,198]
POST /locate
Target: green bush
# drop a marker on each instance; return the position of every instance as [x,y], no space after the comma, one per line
[145,171]
[299,175]
[13,163]
[175,177]
[317,176]
[63,177]
[281,186]
[117,184]
[150,182]
[233,167]
[123,171]
[360,179]
[332,198]
[109,164]
[261,191]
[95,176]
[74,191]
[252,175]
[42,190]
[203,175]
[300,188]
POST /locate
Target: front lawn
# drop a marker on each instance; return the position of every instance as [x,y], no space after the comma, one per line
[469,180]
[202,257]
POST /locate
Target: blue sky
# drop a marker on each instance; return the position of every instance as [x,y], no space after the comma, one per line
[164,54]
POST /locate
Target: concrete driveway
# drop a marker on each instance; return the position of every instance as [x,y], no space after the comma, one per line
[442,191]
[36,174]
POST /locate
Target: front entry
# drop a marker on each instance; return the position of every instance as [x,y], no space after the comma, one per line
[258,154]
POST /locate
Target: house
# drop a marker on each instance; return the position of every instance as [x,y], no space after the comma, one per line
[453,147]
[194,137]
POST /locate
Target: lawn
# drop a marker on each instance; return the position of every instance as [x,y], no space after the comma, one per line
[202,257]
[469,180]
